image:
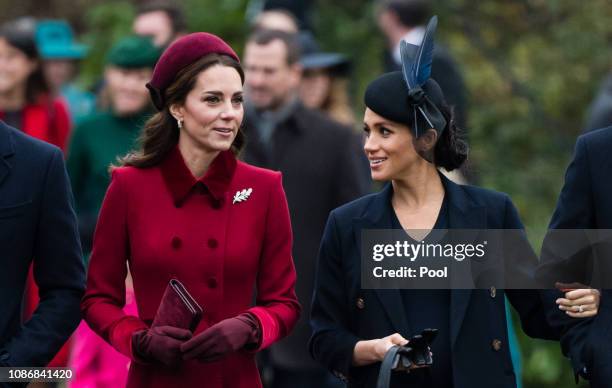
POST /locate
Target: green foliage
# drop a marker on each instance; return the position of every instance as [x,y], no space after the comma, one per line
[106,23]
[224,18]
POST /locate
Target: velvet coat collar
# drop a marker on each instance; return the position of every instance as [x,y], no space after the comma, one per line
[181,183]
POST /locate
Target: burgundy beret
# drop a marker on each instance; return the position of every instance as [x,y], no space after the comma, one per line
[180,54]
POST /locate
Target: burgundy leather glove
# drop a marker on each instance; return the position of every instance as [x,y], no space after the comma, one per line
[161,344]
[223,338]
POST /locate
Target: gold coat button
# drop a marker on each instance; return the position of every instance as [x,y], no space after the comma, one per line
[360,303]
[496,345]
[493,292]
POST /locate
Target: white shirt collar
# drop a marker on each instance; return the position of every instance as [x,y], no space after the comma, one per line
[414,36]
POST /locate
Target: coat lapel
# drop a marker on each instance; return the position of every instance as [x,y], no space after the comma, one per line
[6,150]
[462,214]
[378,216]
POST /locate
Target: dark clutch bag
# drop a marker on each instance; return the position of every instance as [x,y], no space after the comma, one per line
[178,308]
[401,358]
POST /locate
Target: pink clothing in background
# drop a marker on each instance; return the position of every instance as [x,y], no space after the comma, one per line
[96,364]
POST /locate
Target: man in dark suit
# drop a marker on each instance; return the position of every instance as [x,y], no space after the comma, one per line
[37,226]
[585,202]
[319,159]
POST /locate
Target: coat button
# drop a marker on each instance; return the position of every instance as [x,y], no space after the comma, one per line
[212,243]
[212,283]
[177,204]
[360,303]
[496,345]
[493,292]
[216,204]
[176,242]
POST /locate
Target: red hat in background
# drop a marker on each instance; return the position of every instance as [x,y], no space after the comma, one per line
[180,54]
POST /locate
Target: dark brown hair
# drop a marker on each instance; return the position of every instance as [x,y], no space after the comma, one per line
[264,37]
[411,13]
[451,149]
[161,133]
[36,84]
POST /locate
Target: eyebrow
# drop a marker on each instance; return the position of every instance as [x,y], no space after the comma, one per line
[219,93]
[377,124]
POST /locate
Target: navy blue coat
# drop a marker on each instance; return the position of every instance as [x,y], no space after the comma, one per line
[37,224]
[585,202]
[343,313]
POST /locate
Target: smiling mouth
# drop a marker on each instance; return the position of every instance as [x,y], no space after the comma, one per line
[375,162]
[223,130]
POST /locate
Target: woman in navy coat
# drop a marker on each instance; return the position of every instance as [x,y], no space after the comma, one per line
[410,134]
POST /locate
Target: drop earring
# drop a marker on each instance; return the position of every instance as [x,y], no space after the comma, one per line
[179,122]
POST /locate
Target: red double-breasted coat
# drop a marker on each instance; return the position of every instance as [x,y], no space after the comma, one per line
[166,224]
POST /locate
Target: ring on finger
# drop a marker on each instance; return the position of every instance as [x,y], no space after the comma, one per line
[580,308]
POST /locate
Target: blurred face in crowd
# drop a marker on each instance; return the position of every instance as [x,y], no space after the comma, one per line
[388,147]
[157,25]
[212,112]
[275,20]
[271,82]
[315,88]
[127,89]
[386,22]
[15,68]
[58,72]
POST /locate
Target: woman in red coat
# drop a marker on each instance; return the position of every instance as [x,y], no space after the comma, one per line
[183,207]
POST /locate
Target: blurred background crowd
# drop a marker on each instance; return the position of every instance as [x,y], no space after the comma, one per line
[525,77]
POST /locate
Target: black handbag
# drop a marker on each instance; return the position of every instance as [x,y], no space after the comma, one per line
[401,358]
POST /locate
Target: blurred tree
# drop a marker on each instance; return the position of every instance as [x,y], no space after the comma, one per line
[106,23]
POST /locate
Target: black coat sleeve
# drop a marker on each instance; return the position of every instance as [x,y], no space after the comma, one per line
[58,271]
[332,343]
[527,302]
[574,210]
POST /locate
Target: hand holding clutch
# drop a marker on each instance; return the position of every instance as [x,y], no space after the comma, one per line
[177,316]
[225,337]
[160,343]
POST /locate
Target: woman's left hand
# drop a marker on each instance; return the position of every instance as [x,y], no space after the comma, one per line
[579,302]
[220,339]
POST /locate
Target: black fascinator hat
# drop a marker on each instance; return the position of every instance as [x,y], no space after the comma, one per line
[410,96]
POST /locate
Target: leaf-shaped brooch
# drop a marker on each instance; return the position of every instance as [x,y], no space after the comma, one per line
[242,196]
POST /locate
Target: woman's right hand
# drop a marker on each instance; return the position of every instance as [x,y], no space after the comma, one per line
[160,343]
[382,345]
[371,351]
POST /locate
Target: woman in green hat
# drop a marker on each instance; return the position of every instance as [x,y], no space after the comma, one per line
[104,135]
